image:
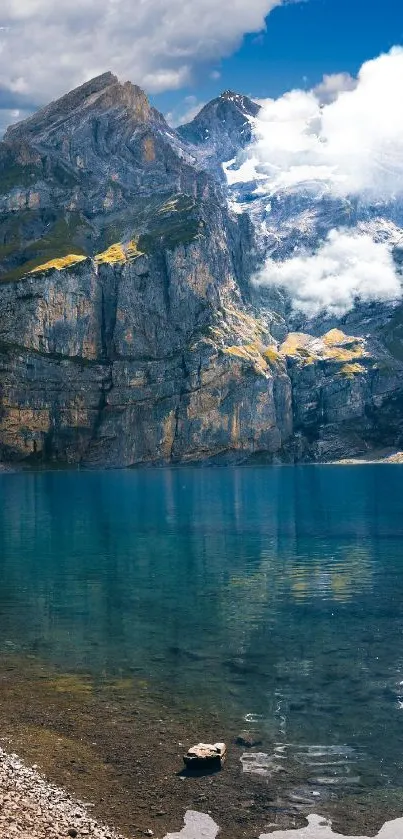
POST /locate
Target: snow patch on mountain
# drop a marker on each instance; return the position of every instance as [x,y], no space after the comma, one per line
[354,144]
[323,184]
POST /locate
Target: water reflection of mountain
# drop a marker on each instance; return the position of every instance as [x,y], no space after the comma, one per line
[250,588]
[100,555]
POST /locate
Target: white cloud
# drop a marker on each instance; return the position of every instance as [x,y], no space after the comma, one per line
[343,138]
[245,173]
[347,267]
[9,116]
[352,145]
[332,85]
[46,48]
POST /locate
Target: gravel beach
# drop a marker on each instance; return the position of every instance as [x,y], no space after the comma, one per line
[31,808]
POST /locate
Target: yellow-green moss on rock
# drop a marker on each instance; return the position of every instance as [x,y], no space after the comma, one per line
[59,263]
[118,252]
[351,370]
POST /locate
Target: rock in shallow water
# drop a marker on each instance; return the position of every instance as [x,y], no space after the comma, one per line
[259,763]
[248,740]
[205,754]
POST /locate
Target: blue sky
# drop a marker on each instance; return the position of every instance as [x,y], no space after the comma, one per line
[302,42]
[184,53]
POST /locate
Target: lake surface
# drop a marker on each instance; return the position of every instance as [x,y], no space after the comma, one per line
[273,596]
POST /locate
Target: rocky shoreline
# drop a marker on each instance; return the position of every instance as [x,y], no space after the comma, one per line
[383,456]
[32,808]
[371,457]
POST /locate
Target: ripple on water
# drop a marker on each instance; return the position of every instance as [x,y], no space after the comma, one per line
[325,770]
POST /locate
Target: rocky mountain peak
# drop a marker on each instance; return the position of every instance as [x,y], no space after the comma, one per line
[92,167]
[98,95]
[241,102]
[224,125]
[61,108]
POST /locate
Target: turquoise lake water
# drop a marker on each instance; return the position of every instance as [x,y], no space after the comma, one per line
[274,595]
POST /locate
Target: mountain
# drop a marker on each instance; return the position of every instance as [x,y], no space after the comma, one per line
[130,330]
[222,128]
[90,167]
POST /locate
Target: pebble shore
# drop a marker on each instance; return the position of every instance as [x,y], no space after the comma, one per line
[32,808]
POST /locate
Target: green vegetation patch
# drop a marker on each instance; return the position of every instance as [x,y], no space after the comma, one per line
[18,175]
[176,222]
[60,242]
[154,224]
[59,264]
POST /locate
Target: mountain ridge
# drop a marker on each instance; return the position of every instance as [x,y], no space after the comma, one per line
[130,330]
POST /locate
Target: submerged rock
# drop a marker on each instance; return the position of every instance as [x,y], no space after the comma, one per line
[197,826]
[248,740]
[259,763]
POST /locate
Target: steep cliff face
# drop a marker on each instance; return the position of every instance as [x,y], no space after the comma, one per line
[117,363]
[128,330]
[114,337]
[347,395]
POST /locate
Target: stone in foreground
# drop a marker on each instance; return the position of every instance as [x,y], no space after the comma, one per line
[204,755]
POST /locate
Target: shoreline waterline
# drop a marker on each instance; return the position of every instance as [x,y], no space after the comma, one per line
[31,807]
[120,747]
[387,457]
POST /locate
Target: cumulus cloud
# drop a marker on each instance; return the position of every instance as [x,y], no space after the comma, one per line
[8,116]
[352,145]
[348,267]
[342,139]
[332,85]
[46,48]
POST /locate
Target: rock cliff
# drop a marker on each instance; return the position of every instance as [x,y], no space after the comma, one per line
[129,331]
